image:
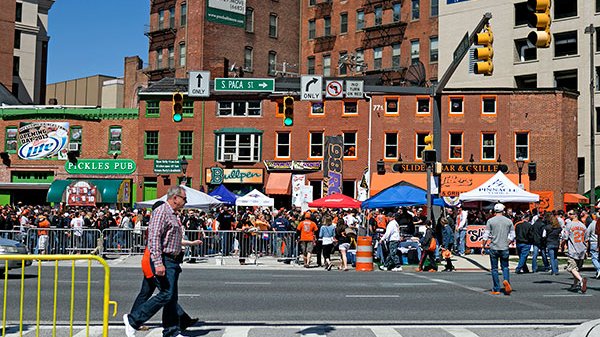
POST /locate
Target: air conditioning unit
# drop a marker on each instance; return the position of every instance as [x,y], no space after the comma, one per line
[229,157]
[73,147]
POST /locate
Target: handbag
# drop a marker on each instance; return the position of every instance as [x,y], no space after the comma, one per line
[432,245]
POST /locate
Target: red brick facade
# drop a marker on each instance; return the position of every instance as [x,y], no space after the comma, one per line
[7,45]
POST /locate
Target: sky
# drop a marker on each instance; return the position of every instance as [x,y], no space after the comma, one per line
[91,37]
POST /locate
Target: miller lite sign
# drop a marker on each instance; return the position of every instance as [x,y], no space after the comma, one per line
[42,140]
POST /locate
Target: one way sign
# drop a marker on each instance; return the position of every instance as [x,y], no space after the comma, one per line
[198,84]
[311,88]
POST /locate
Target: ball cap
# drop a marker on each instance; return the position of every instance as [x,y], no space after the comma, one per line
[498,208]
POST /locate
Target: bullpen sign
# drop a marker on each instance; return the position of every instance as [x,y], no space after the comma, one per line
[42,140]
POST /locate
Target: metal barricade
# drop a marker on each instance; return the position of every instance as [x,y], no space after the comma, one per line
[124,241]
[64,241]
[12,235]
[21,303]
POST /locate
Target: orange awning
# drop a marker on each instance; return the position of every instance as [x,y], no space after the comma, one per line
[574,198]
[279,183]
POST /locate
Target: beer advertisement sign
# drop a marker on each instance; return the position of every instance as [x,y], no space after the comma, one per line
[42,140]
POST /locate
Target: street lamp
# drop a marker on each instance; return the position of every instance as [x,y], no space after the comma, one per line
[184,166]
[520,163]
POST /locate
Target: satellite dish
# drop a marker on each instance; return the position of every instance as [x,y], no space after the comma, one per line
[415,75]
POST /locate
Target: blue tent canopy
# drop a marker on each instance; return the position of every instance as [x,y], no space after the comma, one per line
[224,195]
[400,194]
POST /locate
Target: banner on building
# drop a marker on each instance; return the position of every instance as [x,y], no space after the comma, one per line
[227,12]
[81,193]
[298,181]
[42,140]
[333,164]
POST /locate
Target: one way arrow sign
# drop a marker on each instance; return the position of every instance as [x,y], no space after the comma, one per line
[311,88]
[199,84]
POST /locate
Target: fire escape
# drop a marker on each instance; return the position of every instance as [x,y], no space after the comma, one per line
[161,38]
[325,42]
[383,35]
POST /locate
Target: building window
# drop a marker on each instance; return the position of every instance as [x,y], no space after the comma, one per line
[350,108]
[159,58]
[396,14]
[114,139]
[597,117]
[349,144]
[76,135]
[248,59]
[435,5]
[188,108]
[360,59]
[171,61]
[343,68]
[272,63]
[15,89]
[316,144]
[317,108]
[152,108]
[598,38]
[161,19]
[326,65]
[273,25]
[391,145]
[183,15]
[488,105]
[16,65]
[420,144]
[327,26]
[17,39]
[19,12]
[349,188]
[343,23]
[566,79]
[186,141]
[283,145]
[377,57]
[565,43]
[415,10]
[310,64]
[522,145]
[564,9]
[423,106]
[312,2]
[10,139]
[182,55]
[525,51]
[414,51]
[456,105]
[238,108]
[249,20]
[526,81]
[488,146]
[151,144]
[521,13]
[433,49]
[238,147]
[391,106]
[396,55]
[597,6]
[378,15]
[456,146]
[360,20]
[317,188]
[172,17]
[312,29]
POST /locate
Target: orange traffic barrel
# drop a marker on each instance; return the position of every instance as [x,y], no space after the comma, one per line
[364,253]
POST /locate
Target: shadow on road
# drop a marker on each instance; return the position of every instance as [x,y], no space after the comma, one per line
[317,330]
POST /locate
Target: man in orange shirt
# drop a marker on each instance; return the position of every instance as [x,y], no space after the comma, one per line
[43,234]
[307,229]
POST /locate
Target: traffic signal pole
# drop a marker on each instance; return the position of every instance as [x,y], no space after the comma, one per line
[591,30]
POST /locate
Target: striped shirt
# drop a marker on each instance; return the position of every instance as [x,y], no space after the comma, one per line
[164,233]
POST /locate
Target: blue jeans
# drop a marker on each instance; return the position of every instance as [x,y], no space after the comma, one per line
[553,254]
[523,252]
[148,287]
[503,256]
[542,252]
[165,299]
[460,238]
[594,253]
[393,260]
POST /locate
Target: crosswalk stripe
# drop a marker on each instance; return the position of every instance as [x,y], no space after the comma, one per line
[94,331]
[237,331]
[460,332]
[384,331]
[155,332]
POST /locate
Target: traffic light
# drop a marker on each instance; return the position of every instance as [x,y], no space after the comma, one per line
[539,17]
[177,107]
[485,53]
[428,142]
[380,167]
[532,170]
[429,154]
[288,111]
[72,157]
[5,158]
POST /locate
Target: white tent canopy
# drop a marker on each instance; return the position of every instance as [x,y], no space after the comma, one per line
[195,199]
[499,189]
[255,198]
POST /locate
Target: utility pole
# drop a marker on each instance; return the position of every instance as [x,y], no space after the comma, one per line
[591,30]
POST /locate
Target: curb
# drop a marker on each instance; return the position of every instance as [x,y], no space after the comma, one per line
[587,329]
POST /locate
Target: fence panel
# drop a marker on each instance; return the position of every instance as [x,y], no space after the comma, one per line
[63,241]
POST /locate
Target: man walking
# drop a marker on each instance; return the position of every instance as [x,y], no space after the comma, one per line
[165,235]
[499,232]
[574,234]
[461,230]
[392,237]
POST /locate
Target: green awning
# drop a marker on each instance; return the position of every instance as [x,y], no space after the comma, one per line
[239,130]
[107,189]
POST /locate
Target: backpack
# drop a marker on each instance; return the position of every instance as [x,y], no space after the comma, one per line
[537,233]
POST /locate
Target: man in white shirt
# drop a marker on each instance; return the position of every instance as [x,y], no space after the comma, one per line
[392,236]
[461,230]
[77,227]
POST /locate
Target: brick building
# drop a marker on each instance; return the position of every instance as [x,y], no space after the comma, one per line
[235,134]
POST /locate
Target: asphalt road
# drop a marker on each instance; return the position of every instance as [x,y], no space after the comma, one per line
[301,296]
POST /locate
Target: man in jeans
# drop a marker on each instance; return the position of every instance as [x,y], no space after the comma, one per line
[499,232]
[392,236]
